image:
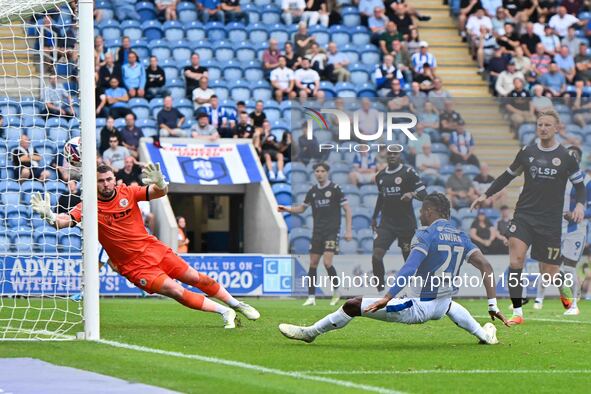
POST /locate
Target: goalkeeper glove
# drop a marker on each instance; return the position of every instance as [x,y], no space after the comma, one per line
[42,205]
[153,176]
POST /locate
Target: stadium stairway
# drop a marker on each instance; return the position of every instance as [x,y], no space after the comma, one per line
[494,142]
[18,71]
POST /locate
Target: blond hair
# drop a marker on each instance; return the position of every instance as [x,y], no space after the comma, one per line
[550,112]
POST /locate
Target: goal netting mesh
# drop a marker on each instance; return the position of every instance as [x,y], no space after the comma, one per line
[40,267]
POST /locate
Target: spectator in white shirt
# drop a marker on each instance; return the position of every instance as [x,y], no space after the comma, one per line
[116,154]
[427,162]
[550,41]
[562,21]
[476,22]
[202,95]
[423,56]
[337,64]
[292,10]
[504,84]
[364,169]
[308,81]
[283,81]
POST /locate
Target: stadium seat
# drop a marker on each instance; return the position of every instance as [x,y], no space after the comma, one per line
[328,88]
[351,52]
[173,30]
[300,240]
[359,74]
[232,71]
[110,29]
[340,35]
[360,35]
[253,71]
[254,15]
[29,107]
[224,51]
[181,50]
[294,221]
[152,30]
[23,242]
[161,49]
[261,90]
[282,192]
[348,247]
[371,55]
[345,90]
[280,33]
[369,199]
[5,242]
[59,134]
[194,31]
[321,34]
[257,33]
[366,90]
[131,29]
[236,32]
[215,31]
[361,218]
[204,49]
[350,16]
[245,52]
[270,14]
[239,90]
[221,89]
[186,11]
[146,10]
[141,48]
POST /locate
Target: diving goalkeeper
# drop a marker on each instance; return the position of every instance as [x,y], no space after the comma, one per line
[143,259]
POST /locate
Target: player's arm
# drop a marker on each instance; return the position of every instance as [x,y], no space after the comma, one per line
[348,221]
[501,182]
[299,208]
[477,259]
[42,205]
[154,179]
[409,268]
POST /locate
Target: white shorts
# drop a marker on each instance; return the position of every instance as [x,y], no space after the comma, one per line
[573,245]
[408,310]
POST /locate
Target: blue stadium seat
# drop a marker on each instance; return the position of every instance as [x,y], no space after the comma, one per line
[194,31]
[204,49]
[186,11]
[146,10]
[348,247]
[359,74]
[366,90]
[236,32]
[110,29]
[215,31]
[254,15]
[253,71]
[181,50]
[59,134]
[141,48]
[261,90]
[258,33]
[214,69]
[132,29]
[321,34]
[5,242]
[70,243]
[351,52]
[340,35]
[328,88]
[46,243]
[280,33]
[239,90]
[273,112]
[170,68]
[282,192]
[299,240]
[345,89]
[245,52]
[232,71]
[221,88]
[371,55]
[173,30]
[13,121]
[224,51]
[362,218]
[29,107]
[161,49]
[270,14]
[351,17]
[294,221]
[439,148]
[23,242]
[152,30]
[8,106]
[360,35]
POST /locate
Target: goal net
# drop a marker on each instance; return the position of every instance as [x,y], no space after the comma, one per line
[41,270]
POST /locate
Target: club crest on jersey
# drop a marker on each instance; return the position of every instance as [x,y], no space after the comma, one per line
[398,180]
[328,193]
[143,282]
[512,228]
[556,161]
[123,202]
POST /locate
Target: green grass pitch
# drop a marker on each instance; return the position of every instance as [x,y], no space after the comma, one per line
[538,355]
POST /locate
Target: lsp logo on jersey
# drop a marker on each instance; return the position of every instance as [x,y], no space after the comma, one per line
[392,120]
[542,172]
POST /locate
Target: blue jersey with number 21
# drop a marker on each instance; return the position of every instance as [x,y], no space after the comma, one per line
[437,254]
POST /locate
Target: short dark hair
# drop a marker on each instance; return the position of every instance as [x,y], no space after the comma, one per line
[440,203]
[323,165]
[103,169]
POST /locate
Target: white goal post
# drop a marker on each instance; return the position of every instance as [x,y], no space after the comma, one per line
[47,96]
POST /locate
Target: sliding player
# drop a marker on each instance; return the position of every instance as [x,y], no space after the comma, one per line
[397,185]
[547,166]
[326,199]
[144,260]
[438,251]
[574,236]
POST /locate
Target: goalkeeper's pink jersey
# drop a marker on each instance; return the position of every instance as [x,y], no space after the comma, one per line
[121,226]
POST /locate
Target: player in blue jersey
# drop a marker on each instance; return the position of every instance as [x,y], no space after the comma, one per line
[574,237]
[438,251]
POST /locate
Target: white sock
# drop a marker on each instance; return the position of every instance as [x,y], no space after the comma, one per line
[517,311]
[460,315]
[337,319]
[540,288]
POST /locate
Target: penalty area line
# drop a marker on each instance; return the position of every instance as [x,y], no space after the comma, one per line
[565,320]
[454,372]
[252,367]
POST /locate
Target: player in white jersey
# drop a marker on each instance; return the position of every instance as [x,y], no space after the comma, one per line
[574,238]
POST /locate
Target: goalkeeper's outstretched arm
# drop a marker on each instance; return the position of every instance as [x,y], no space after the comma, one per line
[153,178]
[42,205]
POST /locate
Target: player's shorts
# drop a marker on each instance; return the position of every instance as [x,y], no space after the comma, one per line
[545,240]
[385,237]
[573,245]
[322,243]
[408,310]
[149,271]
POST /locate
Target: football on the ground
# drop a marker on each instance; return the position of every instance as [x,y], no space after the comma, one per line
[72,152]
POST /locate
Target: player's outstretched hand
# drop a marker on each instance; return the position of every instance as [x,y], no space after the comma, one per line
[407,196]
[152,175]
[478,202]
[42,205]
[578,214]
[282,208]
[348,235]
[496,313]
[376,306]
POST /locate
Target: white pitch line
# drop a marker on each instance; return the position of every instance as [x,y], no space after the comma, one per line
[565,320]
[253,367]
[453,372]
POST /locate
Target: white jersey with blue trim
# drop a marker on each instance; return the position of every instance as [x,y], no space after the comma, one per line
[446,248]
[570,201]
